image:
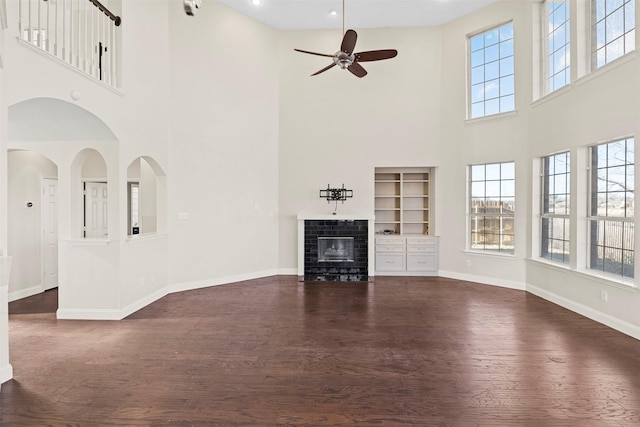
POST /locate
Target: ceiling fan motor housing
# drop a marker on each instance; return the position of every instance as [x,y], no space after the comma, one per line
[343,59]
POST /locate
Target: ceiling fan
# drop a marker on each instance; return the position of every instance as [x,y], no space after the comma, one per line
[347,59]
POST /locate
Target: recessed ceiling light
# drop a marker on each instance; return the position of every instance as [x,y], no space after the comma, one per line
[333,12]
[256,2]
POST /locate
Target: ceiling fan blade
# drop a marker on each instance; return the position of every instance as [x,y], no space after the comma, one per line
[349,42]
[376,55]
[324,69]
[357,70]
[313,53]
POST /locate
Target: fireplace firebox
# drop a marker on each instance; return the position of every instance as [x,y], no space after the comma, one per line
[336,250]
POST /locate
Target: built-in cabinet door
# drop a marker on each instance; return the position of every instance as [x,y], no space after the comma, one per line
[422,262]
[390,262]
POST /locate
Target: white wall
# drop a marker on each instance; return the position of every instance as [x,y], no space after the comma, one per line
[24,179]
[136,117]
[596,108]
[490,140]
[336,128]
[223,147]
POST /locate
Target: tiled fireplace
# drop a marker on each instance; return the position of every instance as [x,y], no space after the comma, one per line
[335,248]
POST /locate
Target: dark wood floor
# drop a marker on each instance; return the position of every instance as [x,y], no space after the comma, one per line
[402,351]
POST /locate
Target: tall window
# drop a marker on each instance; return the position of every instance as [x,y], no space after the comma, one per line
[492,75]
[558,54]
[611,208]
[492,207]
[555,207]
[612,30]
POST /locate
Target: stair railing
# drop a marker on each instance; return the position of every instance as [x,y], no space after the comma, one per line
[82,33]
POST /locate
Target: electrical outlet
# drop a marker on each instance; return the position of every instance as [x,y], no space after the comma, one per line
[604,296]
[468,263]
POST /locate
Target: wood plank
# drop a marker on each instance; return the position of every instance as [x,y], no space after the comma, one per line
[402,351]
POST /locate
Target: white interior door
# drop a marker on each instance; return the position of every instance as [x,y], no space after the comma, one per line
[95,210]
[49,204]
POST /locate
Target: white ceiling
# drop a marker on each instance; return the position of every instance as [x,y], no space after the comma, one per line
[359,14]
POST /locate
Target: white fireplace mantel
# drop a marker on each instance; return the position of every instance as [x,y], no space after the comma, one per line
[370,218]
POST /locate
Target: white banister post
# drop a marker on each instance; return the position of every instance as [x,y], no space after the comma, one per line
[75,33]
[29,33]
[92,42]
[20,18]
[63,51]
[112,55]
[38,37]
[55,29]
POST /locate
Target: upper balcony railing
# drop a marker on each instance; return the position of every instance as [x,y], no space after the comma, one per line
[82,33]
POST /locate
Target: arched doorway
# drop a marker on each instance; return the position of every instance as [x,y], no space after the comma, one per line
[46,137]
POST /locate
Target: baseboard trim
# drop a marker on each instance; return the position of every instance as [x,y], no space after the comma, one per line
[142,303]
[24,293]
[484,280]
[190,286]
[6,373]
[115,314]
[407,273]
[88,314]
[288,272]
[588,312]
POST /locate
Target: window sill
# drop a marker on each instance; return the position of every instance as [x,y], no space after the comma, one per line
[586,78]
[552,95]
[488,254]
[631,56]
[491,117]
[601,278]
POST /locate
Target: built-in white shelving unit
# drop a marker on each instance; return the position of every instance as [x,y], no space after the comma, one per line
[403,222]
[402,200]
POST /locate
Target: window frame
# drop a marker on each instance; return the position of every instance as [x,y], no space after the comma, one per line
[510,106]
[628,36]
[596,217]
[548,61]
[545,214]
[499,215]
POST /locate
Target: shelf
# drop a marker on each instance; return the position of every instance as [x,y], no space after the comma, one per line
[415,176]
[402,200]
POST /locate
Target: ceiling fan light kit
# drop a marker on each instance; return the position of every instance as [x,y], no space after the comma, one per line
[346,59]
